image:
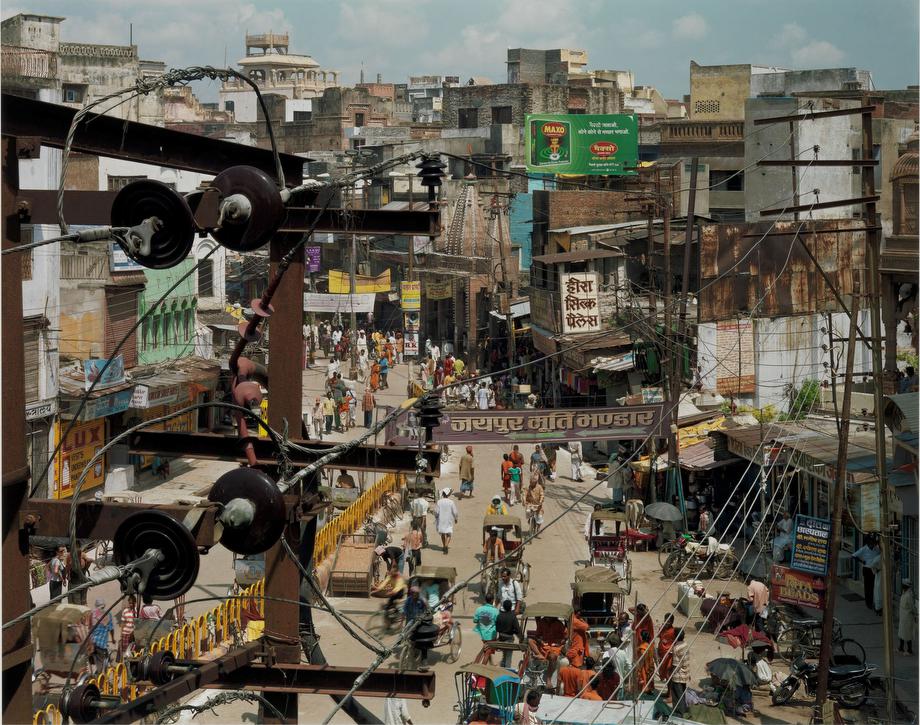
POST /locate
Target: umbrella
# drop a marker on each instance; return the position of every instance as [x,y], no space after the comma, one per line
[732,671]
[663,512]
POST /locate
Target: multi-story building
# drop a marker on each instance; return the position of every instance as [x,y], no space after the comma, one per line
[274,70]
[426,94]
[541,67]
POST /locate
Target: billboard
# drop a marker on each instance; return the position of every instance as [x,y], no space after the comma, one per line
[411,295]
[580,310]
[811,540]
[579,144]
[794,587]
[77,449]
[313,257]
[93,372]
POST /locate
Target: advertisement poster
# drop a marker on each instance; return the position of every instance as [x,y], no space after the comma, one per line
[114,374]
[580,310]
[811,540]
[313,258]
[592,145]
[80,445]
[410,344]
[796,587]
[411,321]
[411,295]
[439,290]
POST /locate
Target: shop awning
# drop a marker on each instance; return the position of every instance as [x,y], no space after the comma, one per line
[908,405]
[518,309]
[612,363]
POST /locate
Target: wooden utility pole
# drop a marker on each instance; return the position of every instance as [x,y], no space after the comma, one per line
[873,243]
[840,486]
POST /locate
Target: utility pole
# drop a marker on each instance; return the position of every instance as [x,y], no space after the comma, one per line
[873,252]
[353,289]
[840,485]
[506,280]
[674,454]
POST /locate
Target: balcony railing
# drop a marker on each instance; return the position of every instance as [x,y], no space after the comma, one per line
[701,131]
[28,63]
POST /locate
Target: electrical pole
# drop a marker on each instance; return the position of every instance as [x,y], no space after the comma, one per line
[840,485]
[353,289]
[873,243]
[667,358]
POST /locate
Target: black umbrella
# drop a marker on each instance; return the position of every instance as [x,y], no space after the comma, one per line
[734,672]
[663,512]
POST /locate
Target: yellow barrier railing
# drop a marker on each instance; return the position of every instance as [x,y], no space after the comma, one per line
[205,633]
[353,518]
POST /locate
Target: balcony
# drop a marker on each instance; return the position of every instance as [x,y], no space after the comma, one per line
[684,132]
[22,62]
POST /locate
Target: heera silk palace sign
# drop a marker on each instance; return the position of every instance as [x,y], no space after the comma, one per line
[549,425]
[582,145]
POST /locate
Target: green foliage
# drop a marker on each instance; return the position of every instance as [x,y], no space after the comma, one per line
[803,400]
[910,357]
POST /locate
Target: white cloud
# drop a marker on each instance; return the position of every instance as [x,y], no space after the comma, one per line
[817,53]
[792,35]
[691,27]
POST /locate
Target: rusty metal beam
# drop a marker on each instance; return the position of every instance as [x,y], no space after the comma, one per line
[328,680]
[818,162]
[210,446]
[816,114]
[201,676]
[100,520]
[822,205]
[95,207]
[810,232]
[113,137]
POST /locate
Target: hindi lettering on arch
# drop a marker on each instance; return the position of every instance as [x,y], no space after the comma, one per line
[580,311]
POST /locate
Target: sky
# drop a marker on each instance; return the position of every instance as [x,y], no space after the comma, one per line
[656,39]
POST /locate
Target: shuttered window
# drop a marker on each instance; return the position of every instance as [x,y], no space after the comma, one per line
[121,314]
[31,332]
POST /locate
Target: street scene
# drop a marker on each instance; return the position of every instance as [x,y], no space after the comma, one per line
[579,386]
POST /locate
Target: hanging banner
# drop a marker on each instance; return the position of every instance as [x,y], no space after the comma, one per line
[113,375]
[580,311]
[537,426]
[811,540]
[439,290]
[340,284]
[411,295]
[318,302]
[313,257]
[794,587]
[582,144]
[78,448]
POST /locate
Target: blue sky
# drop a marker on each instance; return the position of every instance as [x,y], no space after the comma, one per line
[656,39]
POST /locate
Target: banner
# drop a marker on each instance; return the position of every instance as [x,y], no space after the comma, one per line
[439,290]
[80,445]
[811,540]
[547,425]
[580,144]
[313,257]
[580,310]
[411,295]
[318,302]
[794,587]
[114,374]
[340,284]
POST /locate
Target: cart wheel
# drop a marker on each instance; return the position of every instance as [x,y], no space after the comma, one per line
[456,641]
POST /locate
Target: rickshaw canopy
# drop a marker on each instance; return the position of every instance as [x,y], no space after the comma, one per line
[597,587]
[502,522]
[549,609]
[608,515]
[438,573]
[595,574]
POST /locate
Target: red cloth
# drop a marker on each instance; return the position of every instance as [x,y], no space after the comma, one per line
[743,635]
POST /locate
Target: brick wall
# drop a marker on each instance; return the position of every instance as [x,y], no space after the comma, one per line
[559,209]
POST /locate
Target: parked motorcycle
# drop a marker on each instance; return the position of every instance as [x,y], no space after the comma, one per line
[703,557]
[848,684]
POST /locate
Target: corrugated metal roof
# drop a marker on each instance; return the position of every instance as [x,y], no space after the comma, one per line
[909,405]
[626,361]
[581,255]
[591,228]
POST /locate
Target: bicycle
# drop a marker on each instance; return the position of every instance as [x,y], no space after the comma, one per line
[533,520]
[802,637]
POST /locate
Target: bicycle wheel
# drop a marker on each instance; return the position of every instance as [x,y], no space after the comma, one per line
[525,578]
[456,642]
[788,643]
[664,552]
[674,563]
[849,648]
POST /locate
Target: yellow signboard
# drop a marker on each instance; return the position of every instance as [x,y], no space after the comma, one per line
[340,284]
[439,290]
[411,295]
[80,445]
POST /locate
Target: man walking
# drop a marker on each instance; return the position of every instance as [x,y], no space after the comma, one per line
[869,554]
[418,508]
[328,412]
[485,618]
[467,472]
[58,574]
[575,453]
[368,405]
[446,516]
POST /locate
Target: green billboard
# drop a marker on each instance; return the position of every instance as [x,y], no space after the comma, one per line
[589,145]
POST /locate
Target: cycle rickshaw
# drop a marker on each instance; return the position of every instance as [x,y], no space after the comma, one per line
[486,692]
[510,533]
[436,580]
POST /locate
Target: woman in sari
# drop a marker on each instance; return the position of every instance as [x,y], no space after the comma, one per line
[375,376]
[389,353]
[665,642]
[645,664]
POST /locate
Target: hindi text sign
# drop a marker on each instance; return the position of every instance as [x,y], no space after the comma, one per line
[811,539]
[580,309]
[795,587]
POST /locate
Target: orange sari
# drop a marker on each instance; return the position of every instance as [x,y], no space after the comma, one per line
[375,376]
[388,351]
[665,642]
[645,668]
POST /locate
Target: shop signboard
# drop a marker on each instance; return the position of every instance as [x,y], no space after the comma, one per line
[332,303]
[78,448]
[411,295]
[439,290]
[93,372]
[107,405]
[582,144]
[140,397]
[340,282]
[314,258]
[789,586]
[811,539]
[580,310]
[41,409]
[545,425]
[121,262]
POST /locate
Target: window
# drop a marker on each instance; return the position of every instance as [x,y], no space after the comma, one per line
[166,326]
[705,106]
[467,118]
[726,180]
[73,93]
[303,115]
[357,143]
[206,278]
[359,120]
[501,114]
[117,183]
[230,106]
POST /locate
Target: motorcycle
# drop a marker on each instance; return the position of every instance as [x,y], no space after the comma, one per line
[846,683]
[700,556]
